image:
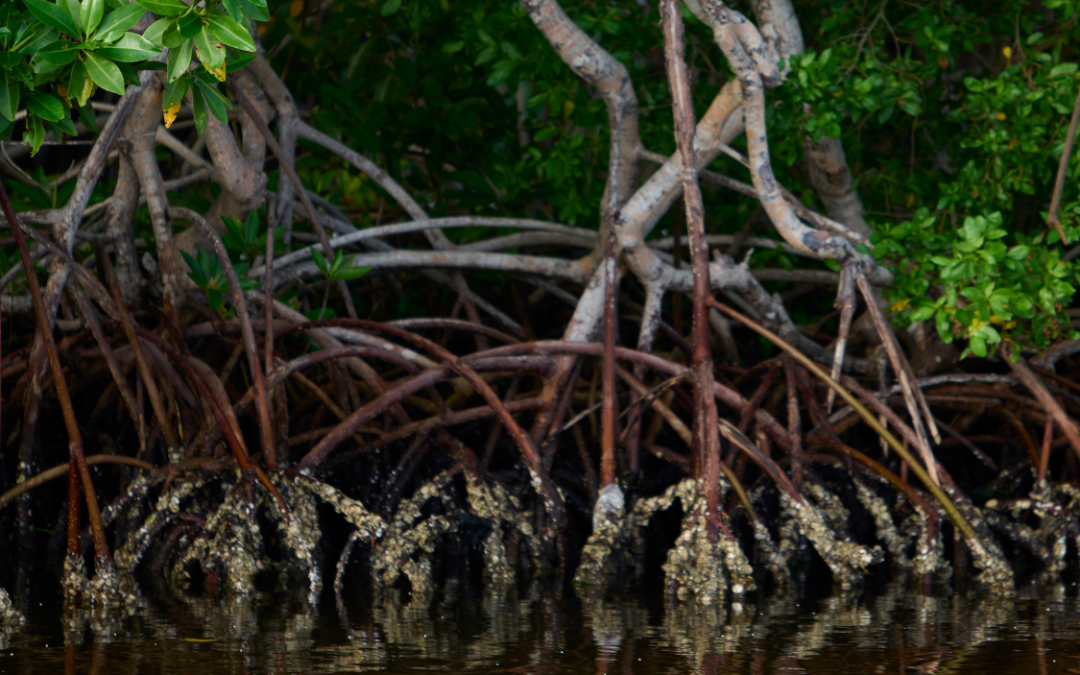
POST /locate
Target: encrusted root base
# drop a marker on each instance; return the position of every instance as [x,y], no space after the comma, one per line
[9,616]
[699,565]
[107,590]
[606,538]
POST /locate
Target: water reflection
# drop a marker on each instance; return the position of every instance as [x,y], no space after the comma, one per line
[509,630]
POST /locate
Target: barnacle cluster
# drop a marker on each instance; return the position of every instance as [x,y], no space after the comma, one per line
[10,619]
[819,524]
[707,566]
[606,537]
[412,536]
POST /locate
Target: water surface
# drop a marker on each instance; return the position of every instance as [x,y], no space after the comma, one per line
[889,631]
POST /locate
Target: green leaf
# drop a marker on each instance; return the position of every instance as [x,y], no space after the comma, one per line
[73,8]
[171,37]
[90,14]
[350,272]
[104,73]
[53,16]
[9,95]
[164,7]
[923,313]
[545,133]
[1063,69]
[219,105]
[60,52]
[190,24]
[80,86]
[389,7]
[45,106]
[34,134]
[87,117]
[238,60]
[175,91]
[119,21]
[130,48]
[195,271]
[255,10]
[199,109]
[211,54]
[977,346]
[157,30]
[320,261]
[233,8]
[231,33]
[63,126]
[251,226]
[179,61]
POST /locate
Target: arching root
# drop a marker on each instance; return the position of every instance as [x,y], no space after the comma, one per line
[845,559]
[411,538]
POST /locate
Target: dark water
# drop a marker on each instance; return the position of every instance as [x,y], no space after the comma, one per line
[890,631]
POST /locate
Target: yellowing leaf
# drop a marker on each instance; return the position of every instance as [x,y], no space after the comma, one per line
[901,305]
[1007,51]
[170,114]
[568,108]
[296,8]
[218,72]
[1001,117]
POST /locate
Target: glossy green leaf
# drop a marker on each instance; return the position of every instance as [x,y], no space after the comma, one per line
[9,95]
[231,33]
[157,29]
[189,24]
[210,52]
[61,52]
[233,8]
[90,14]
[172,38]
[164,7]
[53,16]
[74,9]
[174,92]
[104,73]
[199,109]
[238,60]
[390,7]
[255,10]
[80,86]
[34,135]
[64,125]
[119,21]
[88,117]
[130,48]
[179,61]
[37,37]
[218,105]
[45,106]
